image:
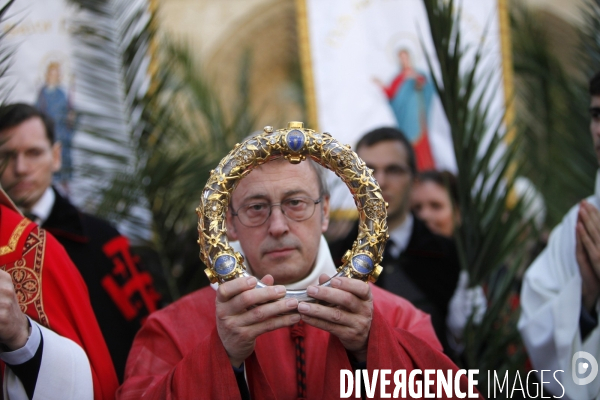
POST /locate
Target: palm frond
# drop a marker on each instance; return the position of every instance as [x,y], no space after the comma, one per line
[490,240]
[591,36]
[111,47]
[160,126]
[6,54]
[552,118]
[183,131]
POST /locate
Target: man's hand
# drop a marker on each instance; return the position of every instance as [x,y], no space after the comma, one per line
[587,252]
[243,314]
[14,327]
[350,317]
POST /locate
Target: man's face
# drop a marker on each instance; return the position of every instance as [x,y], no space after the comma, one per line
[389,161]
[595,124]
[29,160]
[281,247]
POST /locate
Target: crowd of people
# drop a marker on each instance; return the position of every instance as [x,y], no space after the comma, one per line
[80,318]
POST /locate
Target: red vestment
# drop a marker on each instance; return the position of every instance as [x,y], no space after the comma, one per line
[51,291]
[178,353]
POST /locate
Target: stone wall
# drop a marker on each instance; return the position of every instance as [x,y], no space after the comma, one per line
[223,32]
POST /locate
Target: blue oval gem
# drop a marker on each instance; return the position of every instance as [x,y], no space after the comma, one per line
[362,263]
[295,140]
[225,264]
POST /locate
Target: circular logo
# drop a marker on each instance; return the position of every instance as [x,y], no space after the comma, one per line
[584,368]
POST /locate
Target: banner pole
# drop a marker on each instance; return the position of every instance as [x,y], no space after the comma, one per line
[308,81]
[507,69]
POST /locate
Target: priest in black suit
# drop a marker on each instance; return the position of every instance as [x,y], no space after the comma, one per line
[418,265]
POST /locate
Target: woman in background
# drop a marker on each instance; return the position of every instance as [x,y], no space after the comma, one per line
[435,201]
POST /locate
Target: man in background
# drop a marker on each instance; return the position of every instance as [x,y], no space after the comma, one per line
[560,292]
[417,264]
[122,295]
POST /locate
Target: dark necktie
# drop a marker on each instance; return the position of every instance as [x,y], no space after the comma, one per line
[32,217]
[387,253]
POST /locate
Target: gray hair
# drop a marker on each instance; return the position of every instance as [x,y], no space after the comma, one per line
[321,176]
[318,168]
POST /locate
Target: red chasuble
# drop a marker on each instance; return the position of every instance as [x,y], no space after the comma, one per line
[178,354]
[51,291]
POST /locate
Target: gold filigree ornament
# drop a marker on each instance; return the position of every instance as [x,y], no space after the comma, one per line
[295,144]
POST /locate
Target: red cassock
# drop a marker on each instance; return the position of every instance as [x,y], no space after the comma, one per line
[178,354]
[51,291]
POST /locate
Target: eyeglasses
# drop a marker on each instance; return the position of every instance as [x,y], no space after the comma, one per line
[295,208]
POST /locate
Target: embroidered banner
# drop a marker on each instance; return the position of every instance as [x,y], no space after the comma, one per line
[364,66]
[42,66]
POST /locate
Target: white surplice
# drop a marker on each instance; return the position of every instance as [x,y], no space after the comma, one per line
[551,305]
[64,372]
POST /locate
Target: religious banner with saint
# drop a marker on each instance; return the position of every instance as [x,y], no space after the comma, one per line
[67,60]
[365,66]
[41,72]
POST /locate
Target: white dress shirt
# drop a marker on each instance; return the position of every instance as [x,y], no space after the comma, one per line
[43,207]
[400,237]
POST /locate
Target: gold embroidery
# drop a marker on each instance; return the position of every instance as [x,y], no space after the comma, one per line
[27,280]
[38,268]
[26,283]
[14,238]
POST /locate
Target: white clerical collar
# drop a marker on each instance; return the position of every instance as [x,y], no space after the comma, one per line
[323,265]
[400,236]
[43,207]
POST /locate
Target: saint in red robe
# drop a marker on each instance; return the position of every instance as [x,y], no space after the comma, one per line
[410,95]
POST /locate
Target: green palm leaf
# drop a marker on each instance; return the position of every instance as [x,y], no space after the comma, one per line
[175,132]
[6,54]
[490,240]
[552,116]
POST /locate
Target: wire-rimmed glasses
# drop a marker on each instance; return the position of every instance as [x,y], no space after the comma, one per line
[295,208]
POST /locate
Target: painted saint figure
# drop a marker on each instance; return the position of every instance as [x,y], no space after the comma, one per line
[410,94]
[54,101]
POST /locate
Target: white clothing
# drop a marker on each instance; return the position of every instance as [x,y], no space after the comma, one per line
[400,237]
[551,301]
[43,207]
[464,302]
[26,352]
[64,372]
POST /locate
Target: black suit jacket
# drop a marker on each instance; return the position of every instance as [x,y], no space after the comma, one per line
[121,294]
[425,273]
